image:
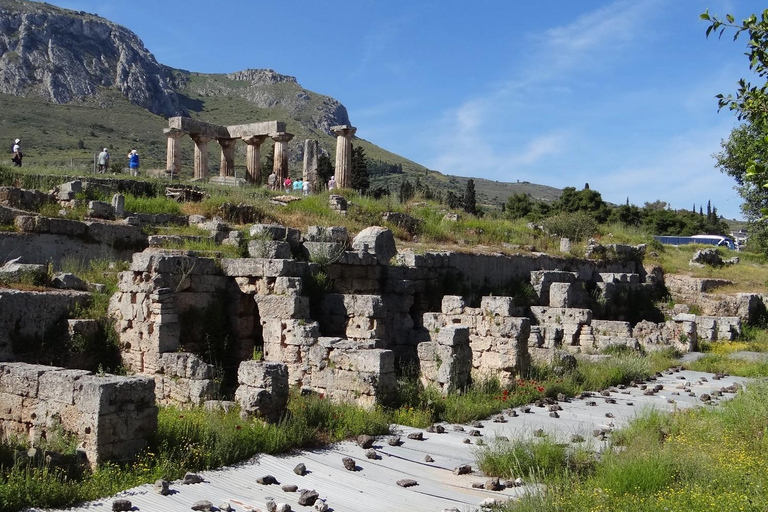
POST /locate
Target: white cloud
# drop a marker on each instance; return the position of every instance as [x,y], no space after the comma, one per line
[460,135]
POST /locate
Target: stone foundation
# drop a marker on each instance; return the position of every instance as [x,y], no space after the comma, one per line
[111,416]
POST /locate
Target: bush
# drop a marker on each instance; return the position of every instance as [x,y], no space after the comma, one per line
[575,226]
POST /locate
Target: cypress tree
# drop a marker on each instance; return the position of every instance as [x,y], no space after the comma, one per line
[470,199]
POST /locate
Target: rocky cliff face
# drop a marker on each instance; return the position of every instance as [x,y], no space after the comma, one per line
[65,55]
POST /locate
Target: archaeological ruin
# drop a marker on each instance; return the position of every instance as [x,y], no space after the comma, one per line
[325,311]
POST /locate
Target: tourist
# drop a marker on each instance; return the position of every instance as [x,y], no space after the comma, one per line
[17,155]
[133,162]
[332,183]
[298,185]
[103,161]
[272,181]
[287,185]
[305,187]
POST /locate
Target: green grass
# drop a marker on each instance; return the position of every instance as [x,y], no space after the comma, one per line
[151,205]
[701,459]
[190,440]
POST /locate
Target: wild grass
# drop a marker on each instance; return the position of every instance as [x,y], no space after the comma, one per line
[152,205]
[697,459]
[190,440]
[534,460]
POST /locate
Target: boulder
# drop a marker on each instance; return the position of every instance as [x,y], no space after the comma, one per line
[378,241]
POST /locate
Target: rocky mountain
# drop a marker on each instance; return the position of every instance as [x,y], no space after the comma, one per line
[64,55]
[83,82]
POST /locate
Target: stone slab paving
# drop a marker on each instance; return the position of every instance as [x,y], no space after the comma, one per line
[372,486]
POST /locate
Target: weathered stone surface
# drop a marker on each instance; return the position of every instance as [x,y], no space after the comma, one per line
[378,241]
[269,249]
[263,389]
[68,281]
[333,234]
[113,416]
[100,210]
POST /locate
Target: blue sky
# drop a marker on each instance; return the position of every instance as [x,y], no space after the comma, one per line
[618,94]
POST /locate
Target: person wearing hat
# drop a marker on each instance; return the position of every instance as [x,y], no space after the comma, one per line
[133,162]
[17,155]
[103,161]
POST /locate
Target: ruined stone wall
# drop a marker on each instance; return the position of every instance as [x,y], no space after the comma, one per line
[26,317]
[497,334]
[51,240]
[265,306]
[111,416]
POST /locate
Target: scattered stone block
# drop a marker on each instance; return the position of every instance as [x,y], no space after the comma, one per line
[378,241]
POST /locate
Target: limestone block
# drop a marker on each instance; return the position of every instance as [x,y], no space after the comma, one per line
[299,332]
[242,267]
[100,210]
[289,286]
[498,361]
[75,187]
[505,327]
[603,341]
[269,249]
[365,327]
[328,234]
[378,241]
[285,267]
[375,361]
[68,281]
[611,328]
[497,306]
[66,227]
[21,378]
[371,306]
[452,336]
[116,235]
[282,306]
[268,231]
[480,344]
[58,386]
[453,305]
[26,223]
[263,389]
[549,316]
[432,321]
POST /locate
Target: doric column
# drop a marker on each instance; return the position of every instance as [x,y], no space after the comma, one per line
[201,155]
[173,154]
[343,153]
[281,154]
[227,165]
[310,163]
[252,156]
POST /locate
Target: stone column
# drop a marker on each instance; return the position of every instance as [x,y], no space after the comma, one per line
[173,154]
[252,156]
[227,165]
[310,164]
[201,155]
[344,134]
[281,155]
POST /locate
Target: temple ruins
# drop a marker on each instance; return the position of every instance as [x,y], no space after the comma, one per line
[253,135]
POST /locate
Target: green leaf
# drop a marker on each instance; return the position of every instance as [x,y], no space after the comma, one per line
[704,15]
[729,18]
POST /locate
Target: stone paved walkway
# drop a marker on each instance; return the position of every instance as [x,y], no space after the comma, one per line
[372,487]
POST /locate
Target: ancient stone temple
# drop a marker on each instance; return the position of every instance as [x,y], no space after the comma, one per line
[201,133]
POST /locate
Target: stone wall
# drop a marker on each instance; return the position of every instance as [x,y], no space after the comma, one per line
[111,416]
[498,335]
[52,240]
[26,317]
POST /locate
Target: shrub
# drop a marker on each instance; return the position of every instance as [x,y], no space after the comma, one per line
[575,226]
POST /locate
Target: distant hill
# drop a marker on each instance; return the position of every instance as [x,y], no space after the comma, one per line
[73,82]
